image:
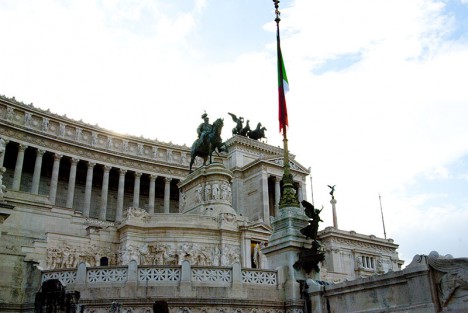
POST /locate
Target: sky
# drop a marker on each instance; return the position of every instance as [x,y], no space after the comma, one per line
[378,103]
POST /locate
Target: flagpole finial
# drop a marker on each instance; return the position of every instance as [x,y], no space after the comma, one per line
[277,11]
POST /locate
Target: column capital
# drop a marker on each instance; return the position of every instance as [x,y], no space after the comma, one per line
[138,174]
[22,147]
[57,156]
[40,153]
[74,161]
[91,164]
[107,168]
[122,171]
[278,179]
[153,177]
[167,179]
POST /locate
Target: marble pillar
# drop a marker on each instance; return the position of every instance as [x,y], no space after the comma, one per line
[167,193]
[3,145]
[37,172]
[265,201]
[104,193]
[136,190]
[152,193]
[335,218]
[300,195]
[88,189]
[71,183]
[120,195]
[277,194]
[18,167]
[54,178]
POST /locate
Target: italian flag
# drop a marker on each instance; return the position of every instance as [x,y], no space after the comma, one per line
[283,87]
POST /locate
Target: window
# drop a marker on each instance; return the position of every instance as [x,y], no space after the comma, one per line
[368,262]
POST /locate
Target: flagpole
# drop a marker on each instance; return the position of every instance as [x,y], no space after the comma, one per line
[288,196]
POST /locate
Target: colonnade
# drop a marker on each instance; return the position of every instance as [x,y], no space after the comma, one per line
[57,157]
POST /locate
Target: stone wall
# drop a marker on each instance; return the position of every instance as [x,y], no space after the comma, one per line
[430,283]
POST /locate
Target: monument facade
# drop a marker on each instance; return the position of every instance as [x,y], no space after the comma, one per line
[121,221]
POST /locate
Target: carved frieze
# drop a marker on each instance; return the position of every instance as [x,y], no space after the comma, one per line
[54,127]
[69,255]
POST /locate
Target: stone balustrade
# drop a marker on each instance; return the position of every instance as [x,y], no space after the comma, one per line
[96,277]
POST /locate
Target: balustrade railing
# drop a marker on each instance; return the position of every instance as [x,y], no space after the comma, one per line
[161,275]
[261,277]
[65,277]
[107,275]
[212,275]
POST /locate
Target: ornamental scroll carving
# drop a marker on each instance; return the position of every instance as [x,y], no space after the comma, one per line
[452,280]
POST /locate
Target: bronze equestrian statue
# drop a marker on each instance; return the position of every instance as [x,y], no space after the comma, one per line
[209,141]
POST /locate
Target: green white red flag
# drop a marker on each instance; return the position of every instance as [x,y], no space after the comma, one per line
[283,87]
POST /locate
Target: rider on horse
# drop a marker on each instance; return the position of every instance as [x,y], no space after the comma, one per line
[209,140]
[204,127]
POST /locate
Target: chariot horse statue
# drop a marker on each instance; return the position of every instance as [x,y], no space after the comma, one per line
[257,133]
[209,142]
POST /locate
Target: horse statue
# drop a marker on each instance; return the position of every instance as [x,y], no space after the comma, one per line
[258,132]
[246,130]
[208,142]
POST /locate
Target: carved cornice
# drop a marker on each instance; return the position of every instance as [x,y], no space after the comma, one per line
[355,243]
[85,154]
[100,144]
[47,115]
[249,145]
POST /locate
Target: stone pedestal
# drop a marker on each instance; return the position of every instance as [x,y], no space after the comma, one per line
[207,191]
[282,252]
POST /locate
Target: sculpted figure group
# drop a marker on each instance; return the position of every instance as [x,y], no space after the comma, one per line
[256,134]
[214,191]
[173,254]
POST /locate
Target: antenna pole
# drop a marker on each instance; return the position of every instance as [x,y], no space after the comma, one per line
[311,190]
[383,222]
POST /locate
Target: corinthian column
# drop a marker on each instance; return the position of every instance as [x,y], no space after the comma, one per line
[120,195]
[88,189]
[104,192]
[71,182]
[54,178]
[18,167]
[277,194]
[167,192]
[3,145]
[265,215]
[136,190]
[151,193]
[37,172]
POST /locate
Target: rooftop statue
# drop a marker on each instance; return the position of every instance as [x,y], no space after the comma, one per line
[257,133]
[332,191]
[246,130]
[239,124]
[209,140]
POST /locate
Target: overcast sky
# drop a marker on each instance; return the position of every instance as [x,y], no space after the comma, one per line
[378,100]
